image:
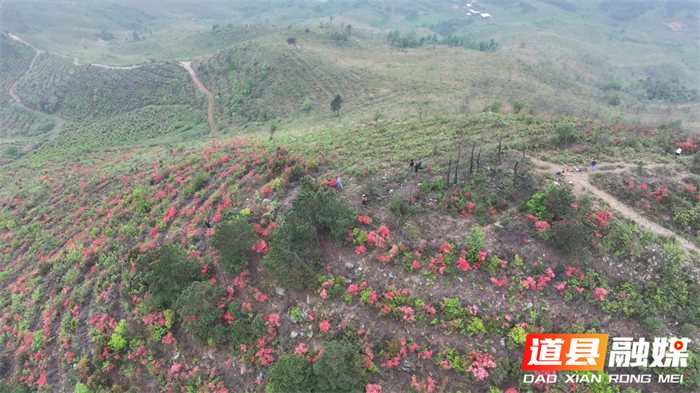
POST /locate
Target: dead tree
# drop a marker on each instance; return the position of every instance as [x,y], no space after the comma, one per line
[449,170]
[459,157]
[500,139]
[471,160]
[478,159]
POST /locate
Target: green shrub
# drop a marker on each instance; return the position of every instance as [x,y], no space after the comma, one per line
[117,342]
[169,316]
[490,265]
[552,204]
[688,329]
[199,180]
[81,388]
[566,133]
[518,335]
[653,324]
[291,373]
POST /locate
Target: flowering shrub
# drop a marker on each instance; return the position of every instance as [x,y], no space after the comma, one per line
[261,247]
[423,386]
[480,365]
[364,220]
[599,294]
[324,326]
[687,145]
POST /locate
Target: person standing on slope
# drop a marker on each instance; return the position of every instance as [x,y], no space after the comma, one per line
[593,165]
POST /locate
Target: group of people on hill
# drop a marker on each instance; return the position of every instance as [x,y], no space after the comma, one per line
[411,166]
[417,166]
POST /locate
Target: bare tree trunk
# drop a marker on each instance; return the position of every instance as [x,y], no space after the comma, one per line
[449,171]
[500,139]
[471,160]
[478,159]
[459,157]
[515,173]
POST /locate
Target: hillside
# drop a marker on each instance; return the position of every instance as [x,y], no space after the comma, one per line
[88,93]
[84,238]
[147,247]
[14,62]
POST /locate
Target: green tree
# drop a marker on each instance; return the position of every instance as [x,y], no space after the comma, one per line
[293,256]
[238,326]
[336,103]
[233,241]
[272,129]
[169,272]
[136,36]
[306,105]
[198,305]
[292,41]
[12,151]
[553,204]
[291,373]
[518,106]
[337,370]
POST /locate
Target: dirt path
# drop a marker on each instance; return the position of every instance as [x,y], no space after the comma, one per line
[75,59]
[203,89]
[581,182]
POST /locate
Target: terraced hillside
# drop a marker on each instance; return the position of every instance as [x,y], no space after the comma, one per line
[86,93]
[14,62]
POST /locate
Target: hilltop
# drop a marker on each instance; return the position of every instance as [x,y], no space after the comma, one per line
[259,78]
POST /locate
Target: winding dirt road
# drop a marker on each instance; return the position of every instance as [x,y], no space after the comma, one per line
[581,182]
[58,121]
[203,89]
[75,59]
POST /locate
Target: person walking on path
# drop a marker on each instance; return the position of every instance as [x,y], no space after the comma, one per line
[410,165]
[678,152]
[593,165]
[364,200]
[337,182]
